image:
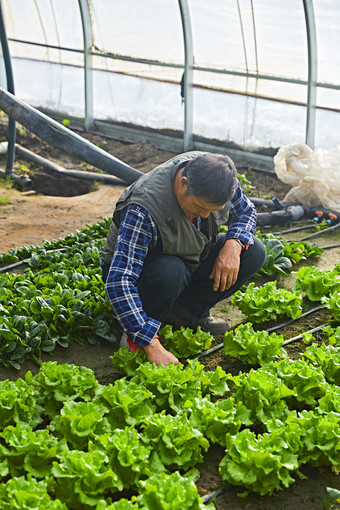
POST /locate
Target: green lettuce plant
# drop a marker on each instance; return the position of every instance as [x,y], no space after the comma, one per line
[177,443]
[82,478]
[263,393]
[19,493]
[316,283]
[261,464]
[58,383]
[184,343]
[29,451]
[19,402]
[216,419]
[128,456]
[267,302]
[125,402]
[253,347]
[327,357]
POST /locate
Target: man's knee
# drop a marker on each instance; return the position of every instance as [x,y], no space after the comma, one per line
[166,272]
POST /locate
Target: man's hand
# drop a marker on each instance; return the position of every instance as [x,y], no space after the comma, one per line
[226,267]
[156,353]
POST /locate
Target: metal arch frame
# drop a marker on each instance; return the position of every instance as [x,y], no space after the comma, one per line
[188,75]
[312,72]
[88,68]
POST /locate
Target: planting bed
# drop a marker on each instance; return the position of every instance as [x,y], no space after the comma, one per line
[31,218]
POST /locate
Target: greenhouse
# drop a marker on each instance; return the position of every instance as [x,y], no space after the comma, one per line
[169,342]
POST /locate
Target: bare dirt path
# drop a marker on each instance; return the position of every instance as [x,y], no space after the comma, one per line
[32,219]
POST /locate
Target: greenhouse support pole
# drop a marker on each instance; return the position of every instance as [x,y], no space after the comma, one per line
[312,72]
[10,88]
[188,75]
[88,78]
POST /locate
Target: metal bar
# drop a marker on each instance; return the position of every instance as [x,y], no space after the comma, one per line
[312,72]
[159,63]
[188,75]
[59,136]
[88,78]
[10,86]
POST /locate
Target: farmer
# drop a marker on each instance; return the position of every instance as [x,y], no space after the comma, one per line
[164,260]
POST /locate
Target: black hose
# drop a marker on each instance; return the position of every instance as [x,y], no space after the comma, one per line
[299,337]
[10,87]
[208,497]
[324,230]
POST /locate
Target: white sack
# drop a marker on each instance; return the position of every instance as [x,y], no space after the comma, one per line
[313,175]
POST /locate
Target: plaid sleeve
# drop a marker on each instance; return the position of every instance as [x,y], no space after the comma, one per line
[137,233]
[242,218]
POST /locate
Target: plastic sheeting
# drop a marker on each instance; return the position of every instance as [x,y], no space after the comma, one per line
[244,51]
[313,175]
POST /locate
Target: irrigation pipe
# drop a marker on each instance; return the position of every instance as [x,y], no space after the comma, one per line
[269,330]
[25,261]
[328,229]
[208,497]
[299,337]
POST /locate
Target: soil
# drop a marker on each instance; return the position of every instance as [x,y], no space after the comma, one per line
[52,207]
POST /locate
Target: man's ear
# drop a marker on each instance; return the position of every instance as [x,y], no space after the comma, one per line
[183,182]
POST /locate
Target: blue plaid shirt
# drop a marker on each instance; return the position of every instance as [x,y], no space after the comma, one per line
[137,233]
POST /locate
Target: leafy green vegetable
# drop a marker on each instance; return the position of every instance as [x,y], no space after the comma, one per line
[263,393]
[82,478]
[260,463]
[184,343]
[176,442]
[216,419]
[316,282]
[78,422]
[327,358]
[253,347]
[267,302]
[19,402]
[125,403]
[128,361]
[307,382]
[29,451]
[58,383]
[173,385]
[128,456]
[333,302]
[276,261]
[163,492]
[333,335]
[27,494]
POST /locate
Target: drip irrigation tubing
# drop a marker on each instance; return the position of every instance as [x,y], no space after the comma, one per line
[222,490]
[299,337]
[25,261]
[269,330]
[294,229]
[324,230]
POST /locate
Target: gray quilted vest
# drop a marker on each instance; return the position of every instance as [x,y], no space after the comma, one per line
[154,192]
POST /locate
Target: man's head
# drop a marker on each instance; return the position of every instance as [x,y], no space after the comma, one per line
[211,176]
[206,184]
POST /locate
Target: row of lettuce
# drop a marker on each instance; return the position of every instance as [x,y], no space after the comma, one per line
[69,442]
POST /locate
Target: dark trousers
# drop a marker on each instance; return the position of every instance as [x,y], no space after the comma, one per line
[165,279]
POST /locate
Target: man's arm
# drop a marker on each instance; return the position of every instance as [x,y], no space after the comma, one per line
[136,234]
[241,227]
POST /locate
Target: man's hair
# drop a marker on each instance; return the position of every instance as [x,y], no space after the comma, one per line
[212,177]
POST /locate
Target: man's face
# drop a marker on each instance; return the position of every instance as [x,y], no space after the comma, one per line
[193,206]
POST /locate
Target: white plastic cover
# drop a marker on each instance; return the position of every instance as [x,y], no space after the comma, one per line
[313,175]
